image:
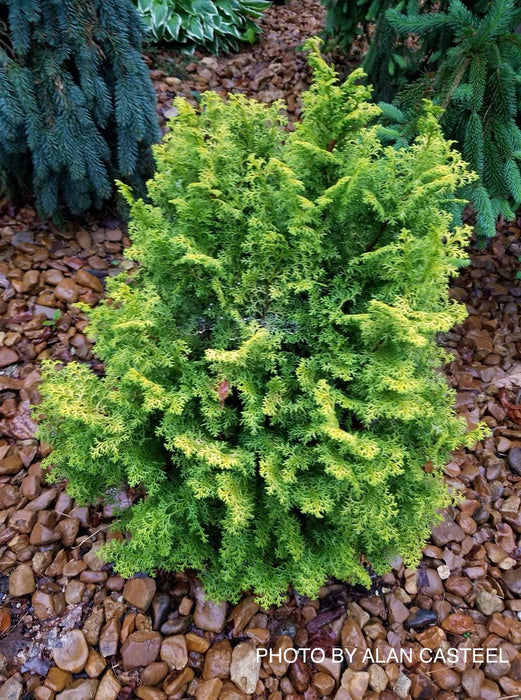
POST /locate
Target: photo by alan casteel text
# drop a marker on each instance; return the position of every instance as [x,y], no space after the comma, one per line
[449,656]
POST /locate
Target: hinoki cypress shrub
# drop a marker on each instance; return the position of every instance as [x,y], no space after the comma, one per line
[272,382]
[77,107]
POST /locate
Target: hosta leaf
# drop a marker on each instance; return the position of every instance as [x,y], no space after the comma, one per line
[172,27]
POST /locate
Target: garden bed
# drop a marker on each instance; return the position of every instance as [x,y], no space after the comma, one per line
[107,633]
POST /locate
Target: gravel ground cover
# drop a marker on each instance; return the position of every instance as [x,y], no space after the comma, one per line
[71,629]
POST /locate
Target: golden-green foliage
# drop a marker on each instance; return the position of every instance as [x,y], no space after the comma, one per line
[271,373]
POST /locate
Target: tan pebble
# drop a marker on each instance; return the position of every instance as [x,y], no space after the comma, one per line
[154,673]
[208,690]
[43,693]
[173,684]
[81,689]
[42,535]
[323,683]
[93,624]
[21,581]
[30,281]
[174,652]
[22,520]
[377,678]
[31,486]
[143,622]
[354,640]
[196,643]
[95,664]
[283,644]
[109,687]
[86,279]
[43,605]
[68,529]
[67,291]
[258,634]
[185,606]
[91,557]
[57,679]
[245,667]
[113,608]
[458,623]
[109,637]
[147,693]
[52,277]
[218,660]
[208,615]
[139,592]
[72,651]
[127,626]
[231,692]
[443,572]
[445,677]
[7,357]
[74,567]
[140,649]
[242,614]
[431,638]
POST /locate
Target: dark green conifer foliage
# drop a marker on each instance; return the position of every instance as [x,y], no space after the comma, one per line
[466,57]
[77,107]
[272,378]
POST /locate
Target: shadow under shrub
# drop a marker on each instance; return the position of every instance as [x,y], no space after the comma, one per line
[272,378]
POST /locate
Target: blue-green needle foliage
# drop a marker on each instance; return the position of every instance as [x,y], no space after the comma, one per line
[465,55]
[77,107]
[272,378]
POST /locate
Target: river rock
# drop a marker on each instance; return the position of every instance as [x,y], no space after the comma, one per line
[208,690]
[23,520]
[21,581]
[146,693]
[488,603]
[160,609]
[402,685]
[109,687]
[139,592]
[174,652]
[217,661]
[458,623]
[245,667]
[154,673]
[140,649]
[512,579]
[42,535]
[420,618]
[377,678]
[43,605]
[324,683]
[8,357]
[67,291]
[208,615]
[514,459]
[447,531]
[354,641]
[355,683]
[85,279]
[109,637]
[12,689]
[72,652]
[82,689]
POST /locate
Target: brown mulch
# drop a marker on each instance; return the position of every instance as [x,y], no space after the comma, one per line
[274,68]
[72,629]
